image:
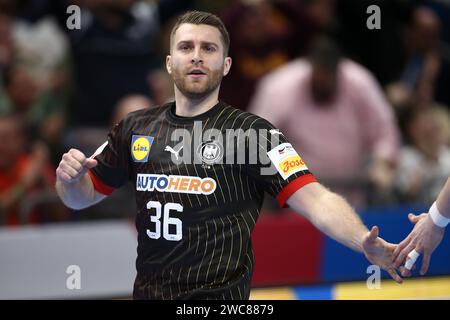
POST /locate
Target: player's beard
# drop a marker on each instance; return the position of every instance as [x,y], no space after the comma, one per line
[197,90]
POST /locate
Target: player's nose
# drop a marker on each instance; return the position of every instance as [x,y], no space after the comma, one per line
[196,56]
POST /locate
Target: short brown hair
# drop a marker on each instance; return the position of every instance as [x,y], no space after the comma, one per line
[200,17]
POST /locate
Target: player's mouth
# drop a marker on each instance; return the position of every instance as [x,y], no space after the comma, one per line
[196,73]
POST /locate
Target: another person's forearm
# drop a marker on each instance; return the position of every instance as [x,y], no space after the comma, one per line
[426,235]
[443,200]
[77,195]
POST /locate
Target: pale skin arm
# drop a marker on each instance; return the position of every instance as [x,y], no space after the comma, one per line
[332,215]
[425,236]
[73,184]
[443,200]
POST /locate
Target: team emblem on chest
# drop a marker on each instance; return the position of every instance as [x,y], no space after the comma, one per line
[210,152]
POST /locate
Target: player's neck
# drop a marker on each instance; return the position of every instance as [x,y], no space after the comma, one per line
[186,107]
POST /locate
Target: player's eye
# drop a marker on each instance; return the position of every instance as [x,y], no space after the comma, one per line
[209,48]
[184,47]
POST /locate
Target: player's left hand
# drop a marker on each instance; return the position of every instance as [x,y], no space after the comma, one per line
[381,253]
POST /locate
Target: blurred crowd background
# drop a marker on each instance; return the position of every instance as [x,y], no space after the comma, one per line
[368,110]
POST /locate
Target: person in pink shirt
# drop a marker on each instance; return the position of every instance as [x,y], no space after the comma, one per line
[335,113]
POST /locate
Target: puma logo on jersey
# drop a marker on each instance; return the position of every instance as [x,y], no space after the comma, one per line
[275,131]
[169,148]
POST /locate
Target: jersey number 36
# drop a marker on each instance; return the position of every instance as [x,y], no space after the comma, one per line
[167,221]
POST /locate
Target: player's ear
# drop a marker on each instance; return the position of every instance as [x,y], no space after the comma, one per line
[169,64]
[227,66]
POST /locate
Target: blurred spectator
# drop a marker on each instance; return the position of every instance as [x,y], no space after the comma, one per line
[323,14]
[41,48]
[336,116]
[130,103]
[6,52]
[35,74]
[424,164]
[6,47]
[42,109]
[23,174]
[113,52]
[442,9]
[266,34]
[424,75]
[379,50]
[161,84]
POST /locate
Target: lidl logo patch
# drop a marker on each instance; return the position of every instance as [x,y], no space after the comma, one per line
[140,147]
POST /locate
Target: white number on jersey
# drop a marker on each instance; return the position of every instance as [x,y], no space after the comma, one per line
[167,221]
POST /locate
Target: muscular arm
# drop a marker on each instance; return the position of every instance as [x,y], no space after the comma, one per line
[330,213]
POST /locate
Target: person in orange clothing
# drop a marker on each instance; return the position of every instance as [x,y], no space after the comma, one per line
[21,173]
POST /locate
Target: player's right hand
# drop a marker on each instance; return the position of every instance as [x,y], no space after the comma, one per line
[380,253]
[74,165]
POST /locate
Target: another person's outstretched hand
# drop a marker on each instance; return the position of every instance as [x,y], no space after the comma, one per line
[424,238]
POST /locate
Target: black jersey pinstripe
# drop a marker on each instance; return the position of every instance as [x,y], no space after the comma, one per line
[194,243]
